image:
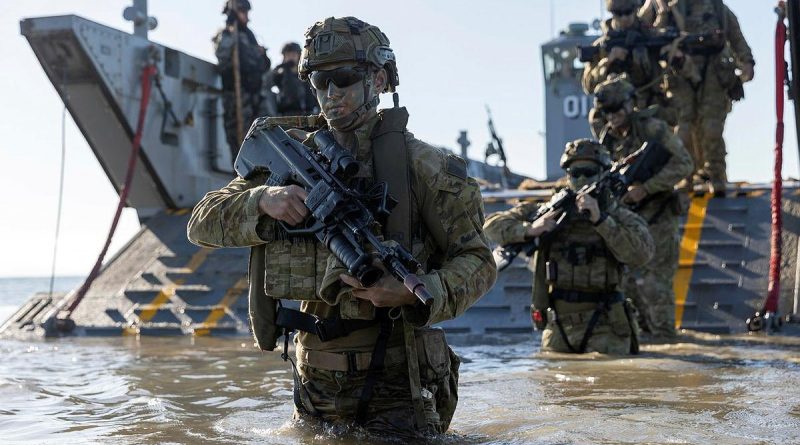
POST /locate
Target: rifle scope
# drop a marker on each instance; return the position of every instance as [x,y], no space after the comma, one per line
[343,164]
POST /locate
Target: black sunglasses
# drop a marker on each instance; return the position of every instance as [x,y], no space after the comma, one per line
[622,12]
[612,108]
[586,172]
[341,77]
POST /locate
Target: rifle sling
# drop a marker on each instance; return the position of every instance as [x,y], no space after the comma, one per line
[375,370]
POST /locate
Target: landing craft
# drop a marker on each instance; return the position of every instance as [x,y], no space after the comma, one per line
[160,284]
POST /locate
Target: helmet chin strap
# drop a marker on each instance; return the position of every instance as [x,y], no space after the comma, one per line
[353,120]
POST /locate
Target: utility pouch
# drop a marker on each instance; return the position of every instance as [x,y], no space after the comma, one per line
[724,66]
[438,369]
[262,309]
[294,269]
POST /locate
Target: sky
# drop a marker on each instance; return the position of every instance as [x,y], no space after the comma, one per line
[454,56]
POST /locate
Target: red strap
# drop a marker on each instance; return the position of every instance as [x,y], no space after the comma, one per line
[773,291]
[148,73]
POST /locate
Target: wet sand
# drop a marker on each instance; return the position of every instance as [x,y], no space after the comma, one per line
[706,389]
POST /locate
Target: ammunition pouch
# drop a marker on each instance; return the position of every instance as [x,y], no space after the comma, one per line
[438,371]
[583,254]
[293,268]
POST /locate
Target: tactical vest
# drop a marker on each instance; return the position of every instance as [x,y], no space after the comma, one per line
[291,268]
[579,260]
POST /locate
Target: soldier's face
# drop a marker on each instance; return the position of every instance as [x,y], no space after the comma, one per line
[583,172]
[243,17]
[621,20]
[619,118]
[340,91]
[291,57]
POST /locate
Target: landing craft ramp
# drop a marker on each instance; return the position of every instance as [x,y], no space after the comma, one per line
[160,284]
[96,69]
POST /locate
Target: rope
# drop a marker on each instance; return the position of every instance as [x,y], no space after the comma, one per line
[773,291]
[60,200]
[148,73]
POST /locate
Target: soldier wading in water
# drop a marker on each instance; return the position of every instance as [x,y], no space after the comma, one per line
[439,218]
[578,265]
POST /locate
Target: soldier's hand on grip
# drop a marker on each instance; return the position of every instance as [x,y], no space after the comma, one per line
[635,194]
[387,292]
[284,204]
[589,204]
[547,223]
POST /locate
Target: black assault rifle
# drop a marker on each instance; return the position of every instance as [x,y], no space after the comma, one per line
[639,166]
[695,44]
[341,217]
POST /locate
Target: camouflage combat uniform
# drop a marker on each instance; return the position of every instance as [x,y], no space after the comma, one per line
[293,96]
[641,67]
[446,214]
[650,285]
[587,261]
[253,65]
[702,88]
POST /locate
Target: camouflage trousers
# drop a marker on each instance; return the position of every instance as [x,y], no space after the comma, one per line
[335,395]
[650,286]
[702,110]
[613,333]
[252,108]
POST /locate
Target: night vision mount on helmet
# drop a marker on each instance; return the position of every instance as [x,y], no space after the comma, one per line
[585,150]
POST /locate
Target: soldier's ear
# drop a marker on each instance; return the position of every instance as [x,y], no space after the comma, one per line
[380,80]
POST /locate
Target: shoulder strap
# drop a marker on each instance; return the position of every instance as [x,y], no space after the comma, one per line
[392,165]
[719,8]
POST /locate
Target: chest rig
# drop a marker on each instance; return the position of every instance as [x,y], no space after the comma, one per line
[578,260]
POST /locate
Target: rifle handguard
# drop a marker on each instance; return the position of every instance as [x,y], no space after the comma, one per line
[417,287]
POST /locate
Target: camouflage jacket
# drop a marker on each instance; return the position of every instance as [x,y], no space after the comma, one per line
[697,16]
[644,127]
[624,233]
[253,60]
[641,66]
[447,208]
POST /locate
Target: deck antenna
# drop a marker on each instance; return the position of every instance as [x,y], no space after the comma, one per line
[142,23]
[552,18]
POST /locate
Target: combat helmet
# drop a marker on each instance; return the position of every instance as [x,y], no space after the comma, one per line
[612,94]
[623,5]
[585,150]
[241,5]
[347,39]
[291,47]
